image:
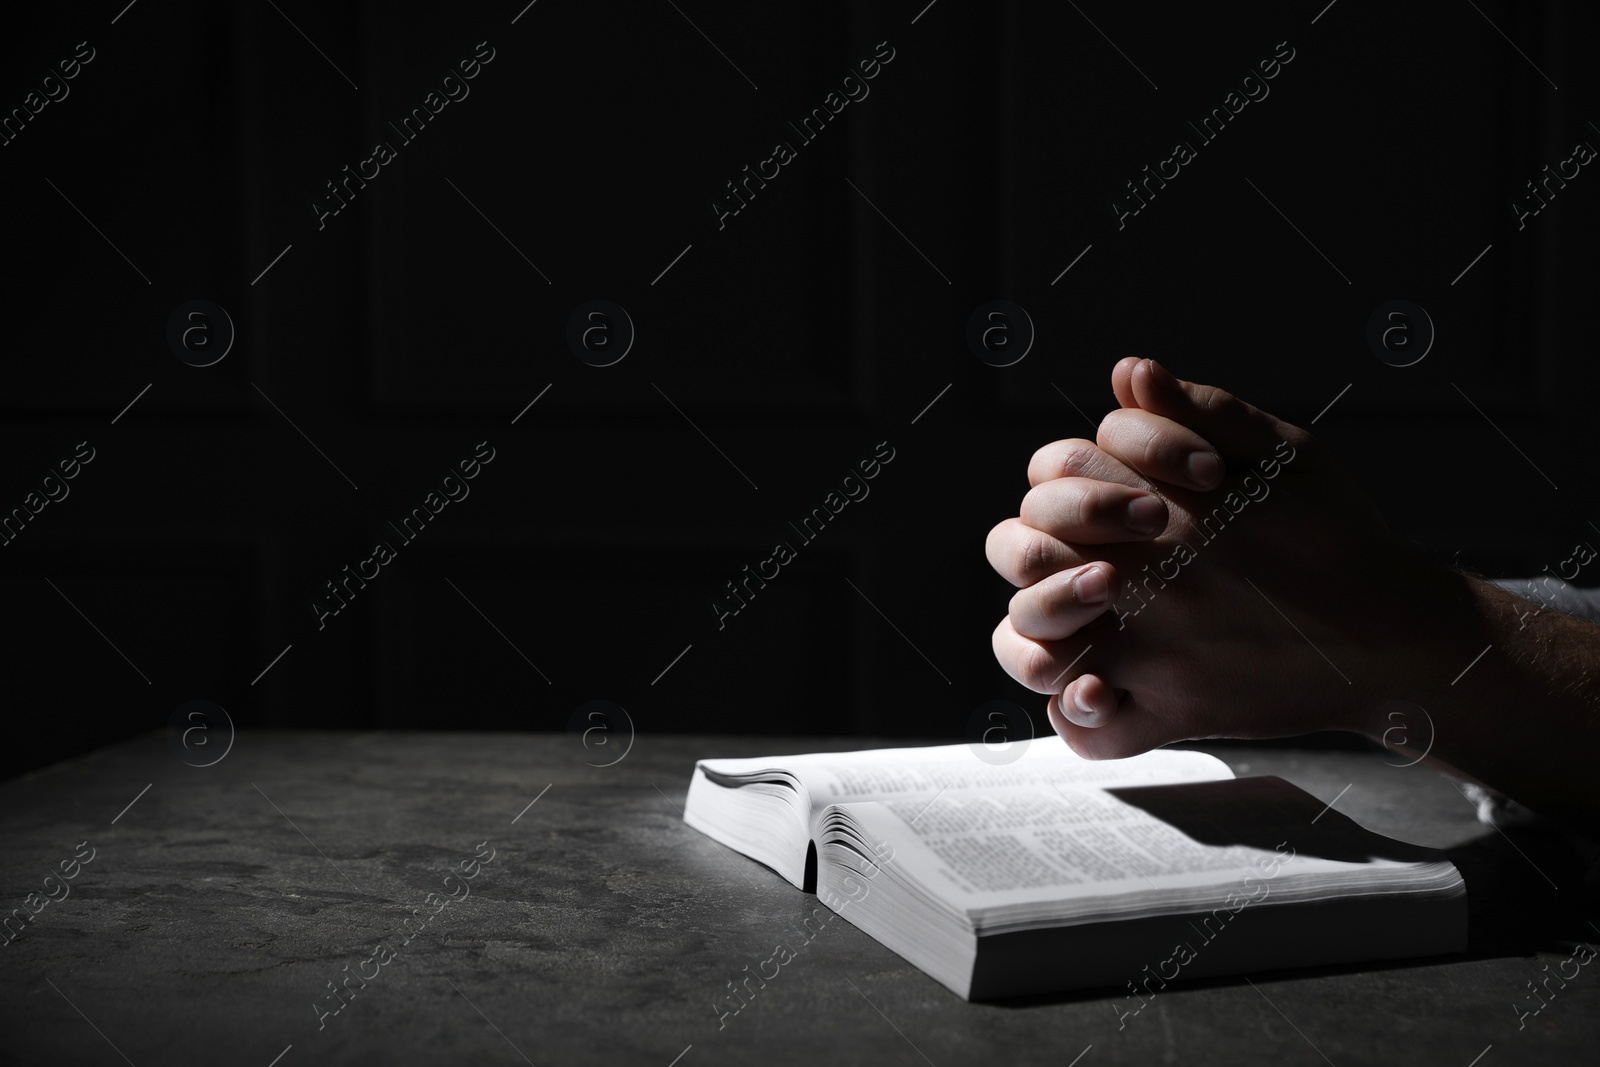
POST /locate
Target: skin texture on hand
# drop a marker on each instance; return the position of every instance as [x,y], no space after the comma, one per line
[1204,569]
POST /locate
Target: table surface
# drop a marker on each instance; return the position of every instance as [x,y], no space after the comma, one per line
[223,900]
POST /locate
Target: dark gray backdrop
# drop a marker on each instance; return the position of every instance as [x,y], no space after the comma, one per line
[772,352]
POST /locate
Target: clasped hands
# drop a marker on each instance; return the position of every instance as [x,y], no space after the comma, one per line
[1201,569]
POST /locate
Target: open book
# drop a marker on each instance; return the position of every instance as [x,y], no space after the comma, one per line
[1054,873]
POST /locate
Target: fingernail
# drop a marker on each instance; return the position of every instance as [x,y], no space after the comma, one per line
[1205,469]
[1162,376]
[1144,515]
[1090,586]
[1083,708]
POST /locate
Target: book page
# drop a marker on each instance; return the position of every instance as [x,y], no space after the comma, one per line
[1051,838]
[905,773]
[840,777]
[1156,842]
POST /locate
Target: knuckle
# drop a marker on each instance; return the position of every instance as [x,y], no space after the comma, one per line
[1038,668]
[1035,555]
[1054,596]
[1155,453]
[1100,507]
[1077,456]
[1041,603]
[1220,403]
[1078,508]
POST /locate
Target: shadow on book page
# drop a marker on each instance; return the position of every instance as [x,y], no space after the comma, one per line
[1260,812]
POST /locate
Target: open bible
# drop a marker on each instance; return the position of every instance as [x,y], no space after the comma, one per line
[1053,873]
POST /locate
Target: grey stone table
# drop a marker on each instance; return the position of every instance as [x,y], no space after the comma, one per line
[217,905]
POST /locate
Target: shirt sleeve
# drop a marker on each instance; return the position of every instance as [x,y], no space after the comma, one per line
[1550,594]
[1555,595]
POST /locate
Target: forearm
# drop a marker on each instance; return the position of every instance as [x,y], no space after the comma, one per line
[1523,719]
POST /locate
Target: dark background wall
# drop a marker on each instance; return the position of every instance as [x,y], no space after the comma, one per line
[375,349]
